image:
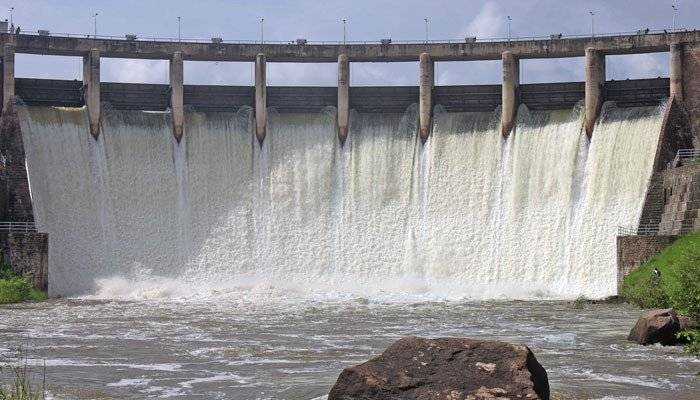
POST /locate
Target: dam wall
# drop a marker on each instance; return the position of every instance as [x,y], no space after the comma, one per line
[387,99]
[220,205]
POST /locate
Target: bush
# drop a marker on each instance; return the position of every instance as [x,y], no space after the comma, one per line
[648,291]
[685,295]
[679,283]
[15,288]
[692,337]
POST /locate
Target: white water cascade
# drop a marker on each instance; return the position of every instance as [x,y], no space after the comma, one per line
[468,215]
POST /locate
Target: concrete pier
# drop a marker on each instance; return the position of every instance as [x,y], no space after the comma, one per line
[91,89]
[595,80]
[509,92]
[260,98]
[8,74]
[177,99]
[425,101]
[343,97]
[676,71]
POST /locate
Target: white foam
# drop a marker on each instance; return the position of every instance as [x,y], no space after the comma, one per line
[213,378]
[643,381]
[469,216]
[137,382]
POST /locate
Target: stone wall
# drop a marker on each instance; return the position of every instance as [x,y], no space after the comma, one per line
[632,251]
[675,135]
[27,253]
[18,203]
[681,200]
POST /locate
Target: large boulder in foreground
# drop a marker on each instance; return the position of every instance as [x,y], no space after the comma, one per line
[656,326]
[445,369]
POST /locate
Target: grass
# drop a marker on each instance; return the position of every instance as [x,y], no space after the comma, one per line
[23,386]
[677,286]
[15,288]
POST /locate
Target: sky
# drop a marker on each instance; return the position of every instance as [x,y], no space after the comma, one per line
[367,20]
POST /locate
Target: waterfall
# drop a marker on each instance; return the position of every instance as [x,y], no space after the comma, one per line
[466,215]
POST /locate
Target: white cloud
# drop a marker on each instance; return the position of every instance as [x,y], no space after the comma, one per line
[468,72]
[635,66]
[134,71]
[384,74]
[488,23]
[302,74]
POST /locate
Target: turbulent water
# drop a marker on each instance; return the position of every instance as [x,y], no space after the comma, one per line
[256,347]
[466,216]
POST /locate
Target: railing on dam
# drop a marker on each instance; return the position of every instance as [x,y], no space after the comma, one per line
[678,228]
[686,156]
[14,226]
[140,38]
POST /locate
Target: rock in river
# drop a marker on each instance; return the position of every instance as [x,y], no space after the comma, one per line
[446,369]
[656,326]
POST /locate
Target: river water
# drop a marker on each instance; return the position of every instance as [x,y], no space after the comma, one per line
[259,344]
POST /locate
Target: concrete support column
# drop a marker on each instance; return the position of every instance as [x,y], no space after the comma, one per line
[91,87]
[595,81]
[177,93]
[676,71]
[425,103]
[260,98]
[343,97]
[8,74]
[509,92]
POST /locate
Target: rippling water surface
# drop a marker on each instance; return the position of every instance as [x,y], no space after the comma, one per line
[258,347]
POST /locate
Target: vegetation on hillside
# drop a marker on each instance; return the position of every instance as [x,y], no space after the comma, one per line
[677,285]
[15,288]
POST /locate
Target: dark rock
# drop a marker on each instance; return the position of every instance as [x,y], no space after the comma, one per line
[447,369]
[656,326]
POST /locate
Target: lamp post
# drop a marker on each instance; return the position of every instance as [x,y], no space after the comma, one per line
[12,9]
[262,30]
[675,10]
[344,32]
[509,21]
[178,29]
[95,18]
[592,23]
[427,22]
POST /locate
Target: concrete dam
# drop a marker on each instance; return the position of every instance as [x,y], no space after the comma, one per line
[429,192]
